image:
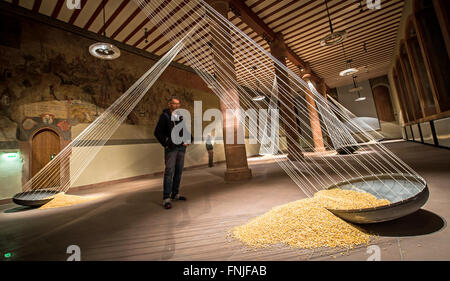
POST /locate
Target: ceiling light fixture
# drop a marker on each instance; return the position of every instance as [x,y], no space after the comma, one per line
[103,50]
[348,72]
[348,63]
[334,37]
[258,98]
[357,89]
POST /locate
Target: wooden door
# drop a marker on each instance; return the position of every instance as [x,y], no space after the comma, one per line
[45,146]
[383,103]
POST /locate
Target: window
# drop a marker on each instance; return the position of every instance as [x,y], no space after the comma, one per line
[435,52]
[409,79]
[400,97]
[418,65]
[404,100]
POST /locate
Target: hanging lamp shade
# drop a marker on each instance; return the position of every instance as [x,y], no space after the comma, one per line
[335,37]
[348,72]
[348,64]
[104,50]
[356,89]
[258,98]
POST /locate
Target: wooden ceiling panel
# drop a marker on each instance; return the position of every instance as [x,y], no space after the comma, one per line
[302,22]
[294,16]
[263,5]
[121,14]
[141,21]
[28,4]
[303,27]
[357,43]
[97,22]
[353,25]
[46,7]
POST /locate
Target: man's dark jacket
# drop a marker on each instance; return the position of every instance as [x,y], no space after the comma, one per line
[164,128]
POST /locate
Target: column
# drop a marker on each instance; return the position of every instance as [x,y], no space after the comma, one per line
[316,131]
[278,49]
[235,154]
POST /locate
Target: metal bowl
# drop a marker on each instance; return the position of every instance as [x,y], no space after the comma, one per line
[349,149]
[407,193]
[35,198]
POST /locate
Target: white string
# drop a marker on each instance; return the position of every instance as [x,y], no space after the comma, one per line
[211,83]
[106,123]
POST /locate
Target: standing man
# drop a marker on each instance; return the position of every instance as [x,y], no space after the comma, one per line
[210,149]
[173,153]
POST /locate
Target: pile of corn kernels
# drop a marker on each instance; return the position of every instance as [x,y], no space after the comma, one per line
[63,200]
[340,199]
[308,224]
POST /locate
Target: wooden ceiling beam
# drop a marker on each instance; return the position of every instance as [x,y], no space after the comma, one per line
[57,9]
[159,23]
[95,14]
[262,29]
[113,16]
[77,12]
[126,22]
[145,21]
[36,5]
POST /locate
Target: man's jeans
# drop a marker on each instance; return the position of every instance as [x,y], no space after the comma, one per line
[174,159]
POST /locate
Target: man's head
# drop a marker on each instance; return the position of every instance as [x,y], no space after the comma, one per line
[173,104]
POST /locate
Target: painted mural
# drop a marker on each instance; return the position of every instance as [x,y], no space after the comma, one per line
[45,85]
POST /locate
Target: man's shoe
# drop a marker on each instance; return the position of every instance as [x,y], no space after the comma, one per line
[167,204]
[179,197]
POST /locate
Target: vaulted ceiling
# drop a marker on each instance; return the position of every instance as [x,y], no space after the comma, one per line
[370,41]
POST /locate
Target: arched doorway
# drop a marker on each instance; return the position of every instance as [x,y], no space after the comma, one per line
[383,103]
[45,146]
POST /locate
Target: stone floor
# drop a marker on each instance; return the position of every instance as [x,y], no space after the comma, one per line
[127,221]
